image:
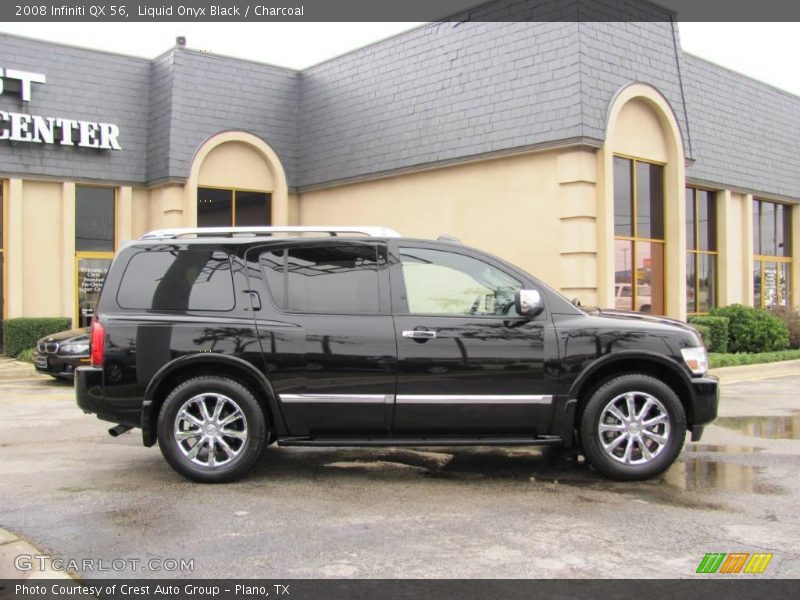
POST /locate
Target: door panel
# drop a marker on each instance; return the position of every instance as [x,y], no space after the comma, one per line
[478,369]
[334,373]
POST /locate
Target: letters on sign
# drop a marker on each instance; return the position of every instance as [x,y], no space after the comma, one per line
[24,127]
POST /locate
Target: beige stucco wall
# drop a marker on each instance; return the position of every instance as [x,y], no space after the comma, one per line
[42,284]
[508,206]
[236,165]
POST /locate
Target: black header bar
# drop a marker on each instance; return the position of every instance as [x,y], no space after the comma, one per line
[396,10]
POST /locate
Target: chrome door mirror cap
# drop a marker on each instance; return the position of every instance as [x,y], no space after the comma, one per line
[528,303]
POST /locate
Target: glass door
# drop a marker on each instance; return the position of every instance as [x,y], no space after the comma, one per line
[91,269]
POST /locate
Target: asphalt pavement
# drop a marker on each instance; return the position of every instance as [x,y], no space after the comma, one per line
[80,496]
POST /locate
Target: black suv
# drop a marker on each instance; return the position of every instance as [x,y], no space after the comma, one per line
[223,341]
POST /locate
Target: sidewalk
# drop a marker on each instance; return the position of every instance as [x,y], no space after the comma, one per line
[756,372]
[11,547]
[11,368]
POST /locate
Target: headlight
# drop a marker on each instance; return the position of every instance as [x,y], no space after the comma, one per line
[75,348]
[696,359]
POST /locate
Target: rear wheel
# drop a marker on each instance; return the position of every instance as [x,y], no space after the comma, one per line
[211,429]
[633,427]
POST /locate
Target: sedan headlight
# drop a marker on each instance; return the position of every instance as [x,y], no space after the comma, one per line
[696,359]
[75,348]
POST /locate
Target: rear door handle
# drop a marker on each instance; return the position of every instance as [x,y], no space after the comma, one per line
[419,334]
[255,298]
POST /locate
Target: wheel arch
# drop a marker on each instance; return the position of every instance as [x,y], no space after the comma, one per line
[186,367]
[624,363]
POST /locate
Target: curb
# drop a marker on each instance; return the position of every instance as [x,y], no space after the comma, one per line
[757,372]
[11,546]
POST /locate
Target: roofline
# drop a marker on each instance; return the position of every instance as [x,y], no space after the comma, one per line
[742,75]
[83,48]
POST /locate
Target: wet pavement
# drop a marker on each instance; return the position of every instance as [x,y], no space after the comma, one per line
[443,512]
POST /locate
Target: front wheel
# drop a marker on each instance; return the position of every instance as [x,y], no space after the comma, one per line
[211,429]
[633,427]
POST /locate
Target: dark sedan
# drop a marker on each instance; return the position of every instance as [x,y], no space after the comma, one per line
[60,353]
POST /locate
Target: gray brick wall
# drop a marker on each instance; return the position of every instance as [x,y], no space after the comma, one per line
[212,94]
[81,84]
[158,141]
[439,93]
[746,133]
[614,55]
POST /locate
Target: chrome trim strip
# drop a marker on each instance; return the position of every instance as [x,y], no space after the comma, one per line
[338,398]
[473,399]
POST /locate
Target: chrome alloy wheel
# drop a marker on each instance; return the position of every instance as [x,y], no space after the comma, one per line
[634,428]
[210,430]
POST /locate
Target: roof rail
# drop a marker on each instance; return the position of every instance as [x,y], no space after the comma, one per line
[169,234]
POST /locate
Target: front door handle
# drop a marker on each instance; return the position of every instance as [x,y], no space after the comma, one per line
[419,334]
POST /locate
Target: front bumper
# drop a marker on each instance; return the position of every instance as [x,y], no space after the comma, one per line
[705,402]
[58,365]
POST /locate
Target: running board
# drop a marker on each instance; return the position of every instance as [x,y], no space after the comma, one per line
[496,440]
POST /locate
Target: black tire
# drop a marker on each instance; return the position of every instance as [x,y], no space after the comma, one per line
[667,408]
[251,425]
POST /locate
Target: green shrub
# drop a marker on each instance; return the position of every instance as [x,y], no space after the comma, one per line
[26,355]
[704,331]
[792,320]
[753,329]
[20,334]
[717,339]
[735,360]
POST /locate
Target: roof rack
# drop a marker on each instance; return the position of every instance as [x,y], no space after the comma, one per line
[170,234]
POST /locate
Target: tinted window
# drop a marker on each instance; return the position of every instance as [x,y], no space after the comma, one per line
[214,207]
[448,283]
[623,211]
[324,279]
[94,219]
[186,280]
[252,209]
[649,201]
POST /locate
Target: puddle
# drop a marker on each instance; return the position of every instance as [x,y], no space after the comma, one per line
[726,448]
[691,474]
[775,428]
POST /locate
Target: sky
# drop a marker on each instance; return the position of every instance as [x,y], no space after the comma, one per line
[768,52]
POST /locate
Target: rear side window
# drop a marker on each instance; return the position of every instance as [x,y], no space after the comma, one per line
[178,280]
[324,279]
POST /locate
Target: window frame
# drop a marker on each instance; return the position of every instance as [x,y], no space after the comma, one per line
[383,308]
[697,253]
[762,259]
[233,202]
[634,239]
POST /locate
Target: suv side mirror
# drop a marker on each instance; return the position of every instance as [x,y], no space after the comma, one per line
[528,303]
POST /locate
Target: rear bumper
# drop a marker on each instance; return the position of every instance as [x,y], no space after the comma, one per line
[705,402]
[89,391]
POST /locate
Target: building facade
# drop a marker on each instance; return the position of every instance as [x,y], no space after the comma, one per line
[597,155]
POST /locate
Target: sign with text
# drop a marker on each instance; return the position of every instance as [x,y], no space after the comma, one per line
[36,129]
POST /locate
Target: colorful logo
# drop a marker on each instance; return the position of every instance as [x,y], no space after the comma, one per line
[734,562]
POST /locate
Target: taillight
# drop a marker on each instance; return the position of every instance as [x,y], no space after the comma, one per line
[97,342]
